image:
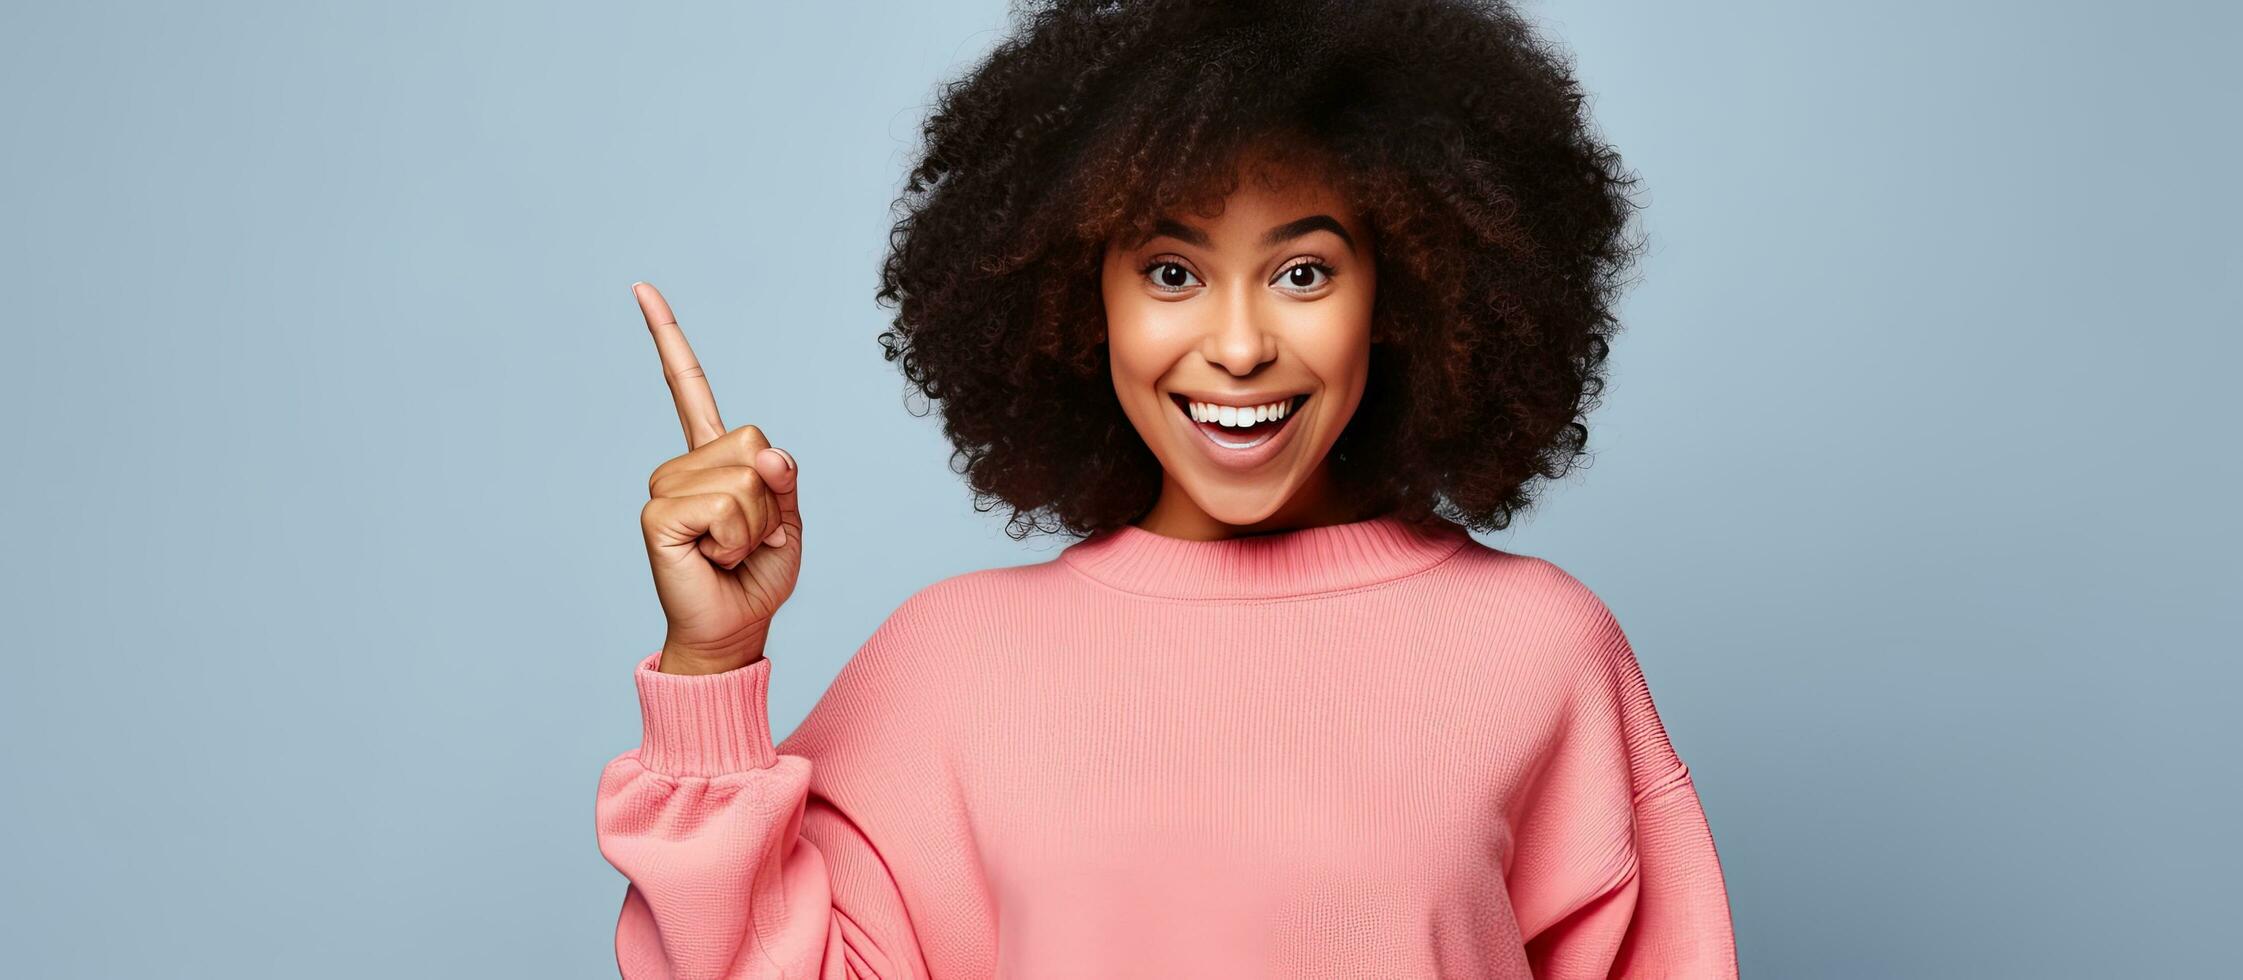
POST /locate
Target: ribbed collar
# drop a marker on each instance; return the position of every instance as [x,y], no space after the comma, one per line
[1302,561]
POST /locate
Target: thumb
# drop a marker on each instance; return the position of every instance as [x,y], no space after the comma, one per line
[777,467]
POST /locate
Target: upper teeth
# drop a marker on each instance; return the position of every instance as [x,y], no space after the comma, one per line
[1237,417]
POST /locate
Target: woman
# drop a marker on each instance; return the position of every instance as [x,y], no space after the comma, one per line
[1244,293]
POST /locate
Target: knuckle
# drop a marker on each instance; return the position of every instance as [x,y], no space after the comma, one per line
[663,472]
[729,506]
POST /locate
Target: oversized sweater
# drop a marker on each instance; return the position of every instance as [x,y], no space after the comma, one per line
[1374,749]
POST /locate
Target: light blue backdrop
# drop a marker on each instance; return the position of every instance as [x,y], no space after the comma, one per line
[329,417]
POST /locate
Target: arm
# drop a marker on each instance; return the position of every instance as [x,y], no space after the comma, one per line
[1618,876]
[737,868]
[1663,913]
[747,859]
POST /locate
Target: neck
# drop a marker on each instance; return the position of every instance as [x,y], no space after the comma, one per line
[1283,564]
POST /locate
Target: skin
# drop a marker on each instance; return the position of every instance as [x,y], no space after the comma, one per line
[1243,320]
[1212,305]
[723,529]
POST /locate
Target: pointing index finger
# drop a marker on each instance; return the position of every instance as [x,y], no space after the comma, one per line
[689,386]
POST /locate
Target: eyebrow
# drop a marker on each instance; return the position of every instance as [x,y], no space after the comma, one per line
[1280,234]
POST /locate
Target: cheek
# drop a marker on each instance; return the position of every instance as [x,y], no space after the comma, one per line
[1334,339]
[1142,337]
[1135,365]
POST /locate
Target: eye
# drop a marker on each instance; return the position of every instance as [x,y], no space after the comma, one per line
[1306,277]
[1168,276]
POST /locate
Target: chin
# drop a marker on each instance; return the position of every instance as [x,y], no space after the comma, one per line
[1240,506]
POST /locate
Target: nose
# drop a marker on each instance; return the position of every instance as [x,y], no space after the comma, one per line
[1238,338]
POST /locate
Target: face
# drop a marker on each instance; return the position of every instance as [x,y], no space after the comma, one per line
[1240,344]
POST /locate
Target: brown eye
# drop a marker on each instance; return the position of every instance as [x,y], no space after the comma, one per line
[1170,276]
[1306,277]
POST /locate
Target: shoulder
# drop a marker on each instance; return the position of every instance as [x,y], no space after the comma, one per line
[1606,700]
[1536,599]
[1552,625]
[958,615]
[1591,702]
[900,687]
[1535,577]
[919,663]
[978,597]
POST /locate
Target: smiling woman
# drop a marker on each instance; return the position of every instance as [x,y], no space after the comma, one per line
[1256,295]
[1256,324]
[1433,237]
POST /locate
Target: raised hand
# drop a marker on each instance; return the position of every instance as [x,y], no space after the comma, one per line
[723,534]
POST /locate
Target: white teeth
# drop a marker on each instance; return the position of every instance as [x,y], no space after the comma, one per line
[1237,417]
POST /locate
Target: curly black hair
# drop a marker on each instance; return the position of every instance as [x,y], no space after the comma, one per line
[1458,134]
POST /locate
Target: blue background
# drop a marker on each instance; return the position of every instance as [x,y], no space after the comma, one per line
[330,415]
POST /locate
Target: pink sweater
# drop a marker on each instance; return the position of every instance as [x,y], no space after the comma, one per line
[1368,749]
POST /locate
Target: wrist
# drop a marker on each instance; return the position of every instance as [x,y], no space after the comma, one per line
[683,658]
[705,726]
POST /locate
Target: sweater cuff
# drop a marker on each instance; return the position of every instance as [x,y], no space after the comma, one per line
[705,724]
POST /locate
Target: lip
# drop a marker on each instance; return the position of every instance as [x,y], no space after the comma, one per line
[1260,397]
[1241,459]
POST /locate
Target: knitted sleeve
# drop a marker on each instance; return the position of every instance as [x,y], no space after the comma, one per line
[805,859]
[1616,874]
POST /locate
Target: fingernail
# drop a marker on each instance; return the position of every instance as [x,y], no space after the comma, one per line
[788,455]
[777,537]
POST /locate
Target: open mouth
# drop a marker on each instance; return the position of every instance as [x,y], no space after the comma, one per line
[1240,434]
